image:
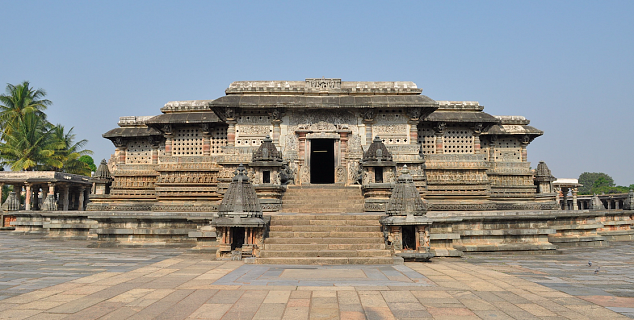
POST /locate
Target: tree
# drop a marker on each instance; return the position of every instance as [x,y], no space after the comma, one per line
[18,101]
[90,161]
[588,179]
[29,144]
[68,152]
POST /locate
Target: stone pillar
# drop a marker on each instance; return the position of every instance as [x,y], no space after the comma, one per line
[302,146]
[121,154]
[231,133]
[564,196]
[168,144]
[206,144]
[617,205]
[524,143]
[476,143]
[18,193]
[27,197]
[439,132]
[80,206]
[65,202]
[1,202]
[439,144]
[413,131]
[343,148]
[368,119]
[276,132]
[574,198]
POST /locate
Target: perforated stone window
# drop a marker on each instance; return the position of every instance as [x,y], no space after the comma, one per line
[507,149]
[138,152]
[458,140]
[427,140]
[187,142]
[218,139]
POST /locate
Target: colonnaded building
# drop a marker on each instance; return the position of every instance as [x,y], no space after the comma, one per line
[333,171]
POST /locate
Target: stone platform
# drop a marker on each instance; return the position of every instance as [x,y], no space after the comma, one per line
[37,282]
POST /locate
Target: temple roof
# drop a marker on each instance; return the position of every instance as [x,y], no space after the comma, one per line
[10,177]
[184,117]
[462,116]
[127,132]
[405,198]
[102,171]
[240,199]
[267,151]
[323,102]
[514,129]
[323,86]
[377,151]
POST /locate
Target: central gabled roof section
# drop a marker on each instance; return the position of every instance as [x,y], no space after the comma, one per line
[323,94]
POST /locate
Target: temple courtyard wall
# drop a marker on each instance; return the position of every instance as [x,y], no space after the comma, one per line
[451,233]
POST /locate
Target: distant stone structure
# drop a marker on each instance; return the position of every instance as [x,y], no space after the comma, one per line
[460,157]
[325,171]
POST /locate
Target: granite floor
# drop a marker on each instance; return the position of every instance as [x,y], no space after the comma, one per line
[52,279]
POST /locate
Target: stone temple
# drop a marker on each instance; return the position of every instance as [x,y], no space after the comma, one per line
[333,171]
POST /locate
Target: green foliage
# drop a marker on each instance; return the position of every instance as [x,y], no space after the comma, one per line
[28,144]
[600,183]
[588,179]
[18,101]
[89,161]
[32,143]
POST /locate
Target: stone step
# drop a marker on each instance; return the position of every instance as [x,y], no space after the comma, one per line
[323,240]
[325,253]
[320,228]
[325,222]
[326,260]
[324,246]
[305,217]
[324,234]
[308,210]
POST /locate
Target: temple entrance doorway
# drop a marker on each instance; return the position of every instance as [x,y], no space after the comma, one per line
[322,161]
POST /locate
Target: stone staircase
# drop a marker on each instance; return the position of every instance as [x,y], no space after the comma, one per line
[322,199]
[325,239]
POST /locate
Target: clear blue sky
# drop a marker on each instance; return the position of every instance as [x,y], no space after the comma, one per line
[566,65]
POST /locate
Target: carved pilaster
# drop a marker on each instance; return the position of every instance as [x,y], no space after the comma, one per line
[168,134]
[524,141]
[206,139]
[439,132]
[368,120]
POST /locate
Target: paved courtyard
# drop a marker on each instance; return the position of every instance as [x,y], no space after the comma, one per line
[52,279]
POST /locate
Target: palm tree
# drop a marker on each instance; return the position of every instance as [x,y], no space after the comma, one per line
[29,144]
[18,101]
[68,151]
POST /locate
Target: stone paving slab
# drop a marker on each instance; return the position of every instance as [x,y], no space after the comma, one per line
[174,284]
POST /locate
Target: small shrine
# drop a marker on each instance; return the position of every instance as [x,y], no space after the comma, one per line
[240,224]
[406,227]
[267,166]
[377,175]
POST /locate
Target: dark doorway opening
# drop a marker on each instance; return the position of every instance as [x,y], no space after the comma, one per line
[237,237]
[266,176]
[409,238]
[322,161]
[378,174]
